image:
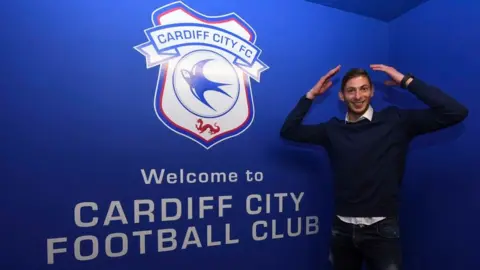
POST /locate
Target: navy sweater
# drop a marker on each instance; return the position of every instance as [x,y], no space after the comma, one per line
[368,158]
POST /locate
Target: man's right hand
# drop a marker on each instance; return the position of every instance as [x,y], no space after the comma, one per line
[323,84]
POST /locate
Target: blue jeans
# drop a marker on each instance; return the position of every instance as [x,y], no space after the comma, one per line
[378,245]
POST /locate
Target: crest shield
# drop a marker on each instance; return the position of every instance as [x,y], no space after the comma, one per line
[205,65]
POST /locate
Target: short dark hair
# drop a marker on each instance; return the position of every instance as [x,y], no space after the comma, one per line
[353,73]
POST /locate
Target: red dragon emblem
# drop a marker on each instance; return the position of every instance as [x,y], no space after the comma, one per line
[201,127]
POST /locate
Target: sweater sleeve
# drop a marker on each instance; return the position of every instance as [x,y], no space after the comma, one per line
[294,130]
[443,111]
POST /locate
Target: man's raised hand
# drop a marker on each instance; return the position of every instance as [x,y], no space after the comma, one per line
[323,84]
[396,77]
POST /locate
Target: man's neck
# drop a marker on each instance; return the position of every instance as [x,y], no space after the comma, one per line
[354,117]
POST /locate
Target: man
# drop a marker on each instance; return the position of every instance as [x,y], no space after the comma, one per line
[367,150]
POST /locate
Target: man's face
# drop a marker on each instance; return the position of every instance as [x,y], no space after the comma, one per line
[357,94]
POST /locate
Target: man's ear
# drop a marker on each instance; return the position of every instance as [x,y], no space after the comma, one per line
[341,96]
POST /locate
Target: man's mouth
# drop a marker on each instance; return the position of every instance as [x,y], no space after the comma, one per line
[358,104]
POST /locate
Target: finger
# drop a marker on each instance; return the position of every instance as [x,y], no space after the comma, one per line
[326,86]
[337,68]
[324,79]
[325,83]
[333,71]
[390,83]
[330,74]
[379,67]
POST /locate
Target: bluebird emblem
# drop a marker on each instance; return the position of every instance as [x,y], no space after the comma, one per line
[205,63]
[199,84]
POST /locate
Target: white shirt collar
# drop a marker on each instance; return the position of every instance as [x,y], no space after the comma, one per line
[367,115]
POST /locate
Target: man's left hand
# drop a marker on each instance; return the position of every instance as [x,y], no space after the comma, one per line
[396,77]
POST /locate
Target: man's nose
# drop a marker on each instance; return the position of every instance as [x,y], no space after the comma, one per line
[357,95]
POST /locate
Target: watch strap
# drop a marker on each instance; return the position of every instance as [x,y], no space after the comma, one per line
[403,83]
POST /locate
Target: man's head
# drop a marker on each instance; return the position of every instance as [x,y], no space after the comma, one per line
[357,90]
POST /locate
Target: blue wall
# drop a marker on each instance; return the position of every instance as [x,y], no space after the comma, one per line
[379,9]
[81,124]
[439,43]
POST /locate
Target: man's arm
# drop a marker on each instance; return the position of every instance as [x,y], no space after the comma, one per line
[444,110]
[294,130]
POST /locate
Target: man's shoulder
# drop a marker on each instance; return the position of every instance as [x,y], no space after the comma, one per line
[334,120]
[390,111]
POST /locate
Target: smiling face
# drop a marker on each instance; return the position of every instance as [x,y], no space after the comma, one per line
[357,91]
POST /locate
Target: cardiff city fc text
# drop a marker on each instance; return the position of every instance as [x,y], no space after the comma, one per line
[130,225]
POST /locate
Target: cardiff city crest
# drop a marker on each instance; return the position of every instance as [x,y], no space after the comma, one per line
[205,66]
